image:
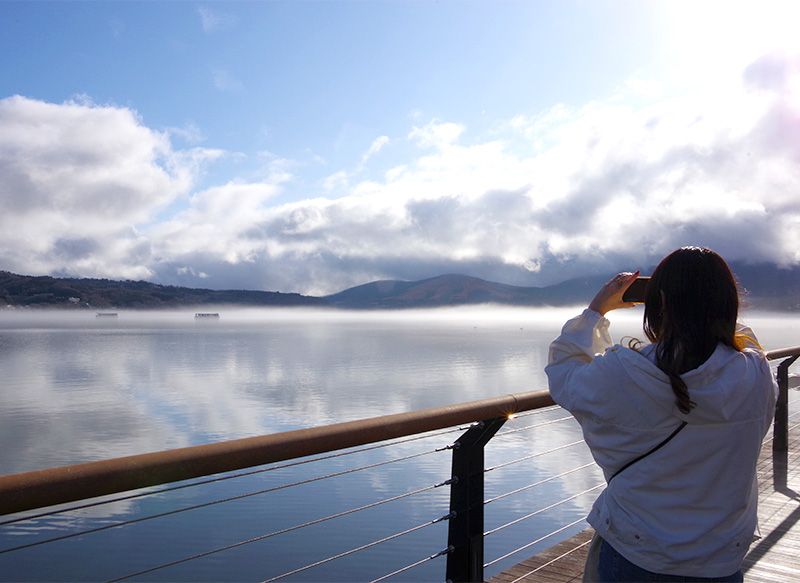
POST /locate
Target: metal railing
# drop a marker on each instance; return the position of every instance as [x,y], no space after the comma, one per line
[22,493]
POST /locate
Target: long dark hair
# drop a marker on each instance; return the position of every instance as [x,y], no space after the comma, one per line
[691,305]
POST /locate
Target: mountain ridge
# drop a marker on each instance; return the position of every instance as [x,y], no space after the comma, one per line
[453,289]
[46,291]
[765,286]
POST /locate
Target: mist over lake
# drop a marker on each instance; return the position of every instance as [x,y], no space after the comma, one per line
[78,388]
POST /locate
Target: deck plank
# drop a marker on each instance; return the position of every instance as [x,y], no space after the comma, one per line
[774,558]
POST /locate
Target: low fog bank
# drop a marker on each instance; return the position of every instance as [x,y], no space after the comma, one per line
[244,316]
[486,314]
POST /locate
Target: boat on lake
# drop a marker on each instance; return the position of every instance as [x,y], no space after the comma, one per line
[106,315]
[207,316]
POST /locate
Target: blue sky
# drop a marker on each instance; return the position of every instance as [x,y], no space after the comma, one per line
[306,79]
[308,146]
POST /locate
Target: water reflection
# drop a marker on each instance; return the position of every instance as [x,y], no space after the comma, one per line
[76,388]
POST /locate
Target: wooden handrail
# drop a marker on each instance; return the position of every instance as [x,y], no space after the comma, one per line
[35,489]
[783,353]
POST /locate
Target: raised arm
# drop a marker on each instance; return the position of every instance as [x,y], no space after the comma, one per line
[571,355]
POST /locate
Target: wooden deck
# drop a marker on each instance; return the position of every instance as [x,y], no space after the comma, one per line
[774,558]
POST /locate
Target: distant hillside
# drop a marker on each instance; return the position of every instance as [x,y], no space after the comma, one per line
[769,287]
[26,290]
[444,290]
[765,286]
[449,290]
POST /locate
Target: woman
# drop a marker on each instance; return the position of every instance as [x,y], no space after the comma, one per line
[684,417]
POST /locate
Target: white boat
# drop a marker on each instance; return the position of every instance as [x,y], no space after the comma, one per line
[106,315]
[207,316]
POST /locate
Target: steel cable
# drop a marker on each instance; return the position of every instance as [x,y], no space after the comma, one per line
[446,551]
[219,501]
[551,561]
[532,456]
[282,531]
[527,516]
[223,478]
[539,483]
[510,431]
[535,411]
[362,547]
[538,540]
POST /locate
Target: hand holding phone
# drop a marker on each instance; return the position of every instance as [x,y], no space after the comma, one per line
[636,291]
[609,297]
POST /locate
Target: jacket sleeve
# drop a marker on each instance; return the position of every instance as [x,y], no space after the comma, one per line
[747,337]
[584,377]
[572,368]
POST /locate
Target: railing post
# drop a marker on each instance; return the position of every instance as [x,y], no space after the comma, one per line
[465,534]
[780,435]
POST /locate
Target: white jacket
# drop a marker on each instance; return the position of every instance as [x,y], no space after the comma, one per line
[689,508]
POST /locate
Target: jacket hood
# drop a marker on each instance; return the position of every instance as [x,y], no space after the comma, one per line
[721,387]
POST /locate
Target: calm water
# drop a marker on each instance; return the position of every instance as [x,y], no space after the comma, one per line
[76,388]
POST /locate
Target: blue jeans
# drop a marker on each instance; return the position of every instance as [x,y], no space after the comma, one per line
[614,568]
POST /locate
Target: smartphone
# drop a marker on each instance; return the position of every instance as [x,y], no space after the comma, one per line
[636,291]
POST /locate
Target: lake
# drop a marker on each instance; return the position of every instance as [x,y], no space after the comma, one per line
[77,388]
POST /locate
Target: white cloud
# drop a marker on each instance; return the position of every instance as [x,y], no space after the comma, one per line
[376,146]
[606,185]
[276,170]
[77,179]
[213,20]
[186,270]
[336,181]
[216,224]
[436,134]
[190,133]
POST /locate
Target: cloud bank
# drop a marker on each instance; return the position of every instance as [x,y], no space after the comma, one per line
[92,191]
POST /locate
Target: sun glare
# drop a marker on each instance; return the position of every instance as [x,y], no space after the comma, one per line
[724,34]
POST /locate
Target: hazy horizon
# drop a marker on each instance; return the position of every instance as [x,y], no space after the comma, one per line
[465,315]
